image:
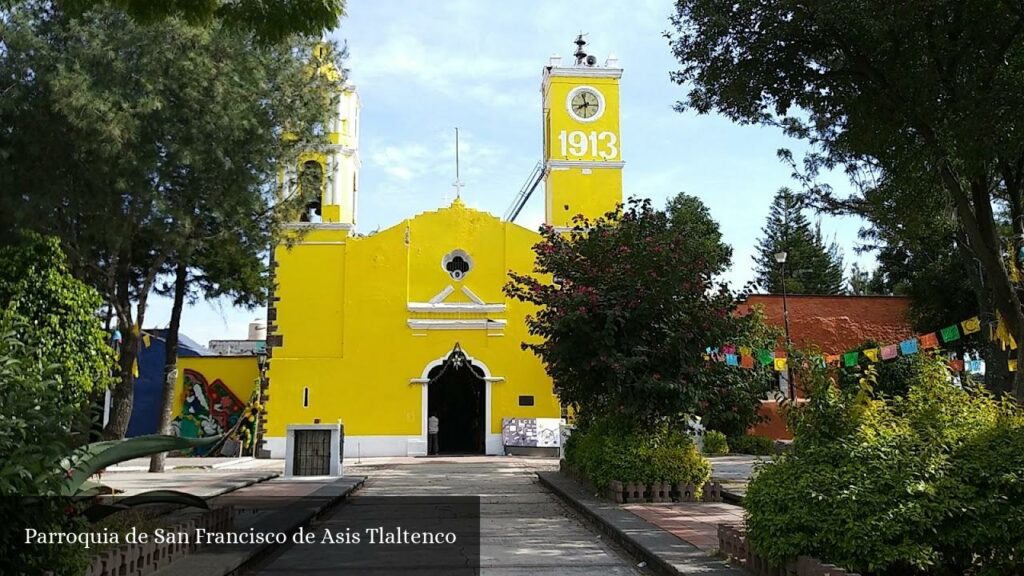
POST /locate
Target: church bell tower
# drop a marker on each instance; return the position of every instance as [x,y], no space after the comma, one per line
[582,148]
[334,171]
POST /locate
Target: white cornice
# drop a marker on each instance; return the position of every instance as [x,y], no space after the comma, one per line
[318,226]
[427,380]
[475,324]
[562,164]
[582,72]
[441,307]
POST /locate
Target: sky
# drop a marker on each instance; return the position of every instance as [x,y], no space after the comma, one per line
[424,68]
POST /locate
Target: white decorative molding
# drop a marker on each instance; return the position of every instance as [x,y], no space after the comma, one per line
[440,296]
[566,164]
[472,296]
[486,379]
[467,324]
[583,72]
[318,226]
[442,307]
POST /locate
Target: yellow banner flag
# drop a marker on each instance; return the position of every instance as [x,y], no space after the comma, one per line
[780,364]
[746,351]
[971,325]
[872,354]
[135,329]
[135,368]
[145,339]
[1012,365]
[1003,334]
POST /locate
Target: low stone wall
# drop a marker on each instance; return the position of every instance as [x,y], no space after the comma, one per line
[144,559]
[635,492]
[733,543]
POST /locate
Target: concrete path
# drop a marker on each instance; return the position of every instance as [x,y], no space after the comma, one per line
[202,483]
[735,471]
[524,529]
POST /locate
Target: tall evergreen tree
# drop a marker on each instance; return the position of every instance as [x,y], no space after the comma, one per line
[812,266]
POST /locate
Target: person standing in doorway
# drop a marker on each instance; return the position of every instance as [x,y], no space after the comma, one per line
[433,425]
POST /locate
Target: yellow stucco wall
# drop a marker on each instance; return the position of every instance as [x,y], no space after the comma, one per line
[343,317]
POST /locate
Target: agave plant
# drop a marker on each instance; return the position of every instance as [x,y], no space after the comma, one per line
[92,458]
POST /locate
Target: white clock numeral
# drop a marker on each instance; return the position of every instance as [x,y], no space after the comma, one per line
[578,143]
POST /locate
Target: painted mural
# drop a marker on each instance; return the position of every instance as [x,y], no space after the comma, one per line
[208,408]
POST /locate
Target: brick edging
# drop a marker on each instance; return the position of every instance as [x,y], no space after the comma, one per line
[733,543]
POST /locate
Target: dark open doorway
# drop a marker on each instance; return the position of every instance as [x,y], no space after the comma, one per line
[456,397]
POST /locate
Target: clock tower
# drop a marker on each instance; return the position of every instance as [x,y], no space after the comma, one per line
[582,148]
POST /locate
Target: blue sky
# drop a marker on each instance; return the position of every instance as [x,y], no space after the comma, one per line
[423,68]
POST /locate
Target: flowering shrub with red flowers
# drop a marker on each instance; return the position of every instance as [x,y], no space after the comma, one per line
[626,306]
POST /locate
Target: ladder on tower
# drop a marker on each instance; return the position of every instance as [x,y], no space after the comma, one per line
[534,180]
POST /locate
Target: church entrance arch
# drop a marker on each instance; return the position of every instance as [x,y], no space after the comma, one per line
[458,394]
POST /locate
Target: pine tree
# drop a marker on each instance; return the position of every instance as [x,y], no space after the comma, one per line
[812,266]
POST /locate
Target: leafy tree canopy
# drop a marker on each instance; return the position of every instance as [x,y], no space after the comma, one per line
[898,92]
[634,304]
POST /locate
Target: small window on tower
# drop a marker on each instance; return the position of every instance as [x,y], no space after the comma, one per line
[457,264]
[526,400]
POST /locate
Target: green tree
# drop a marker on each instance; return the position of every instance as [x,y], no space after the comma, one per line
[59,313]
[886,91]
[864,283]
[811,266]
[145,146]
[623,328]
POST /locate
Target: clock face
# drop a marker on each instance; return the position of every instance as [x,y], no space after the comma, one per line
[585,104]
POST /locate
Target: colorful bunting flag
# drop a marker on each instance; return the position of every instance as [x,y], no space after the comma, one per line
[950,333]
[971,325]
[145,339]
[956,365]
[135,368]
[832,359]
[780,353]
[1004,335]
[728,349]
[731,360]
[974,366]
[1012,364]
[929,340]
[850,359]
[747,361]
[764,356]
[746,351]
[891,351]
[872,354]
[909,346]
[780,364]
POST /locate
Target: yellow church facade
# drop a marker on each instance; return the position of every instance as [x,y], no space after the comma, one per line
[381,331]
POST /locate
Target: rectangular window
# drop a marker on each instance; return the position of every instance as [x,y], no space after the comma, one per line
[526,400]
[305,397]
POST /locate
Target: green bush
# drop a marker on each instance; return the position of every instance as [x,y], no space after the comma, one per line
[715,443]
[750,444]
[613,449]
[926,483]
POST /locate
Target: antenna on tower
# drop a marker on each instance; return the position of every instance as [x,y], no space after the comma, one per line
[458,183]
[580,43]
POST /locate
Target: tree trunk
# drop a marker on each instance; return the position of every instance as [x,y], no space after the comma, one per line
[156,462]
[123,394]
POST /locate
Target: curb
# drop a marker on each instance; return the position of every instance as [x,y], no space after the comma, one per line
[664,553]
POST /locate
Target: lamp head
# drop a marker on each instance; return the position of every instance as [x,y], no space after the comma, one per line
[780,257]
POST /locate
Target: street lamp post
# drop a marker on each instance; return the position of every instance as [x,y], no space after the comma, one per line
[780,257]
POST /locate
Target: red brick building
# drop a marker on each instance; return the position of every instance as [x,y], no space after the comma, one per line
[834,324]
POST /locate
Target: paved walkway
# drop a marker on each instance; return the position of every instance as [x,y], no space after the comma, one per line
[735,471]
[524,530]
[694,522]
[202,483]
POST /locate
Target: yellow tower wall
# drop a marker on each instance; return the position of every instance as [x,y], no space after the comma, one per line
[583,158]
